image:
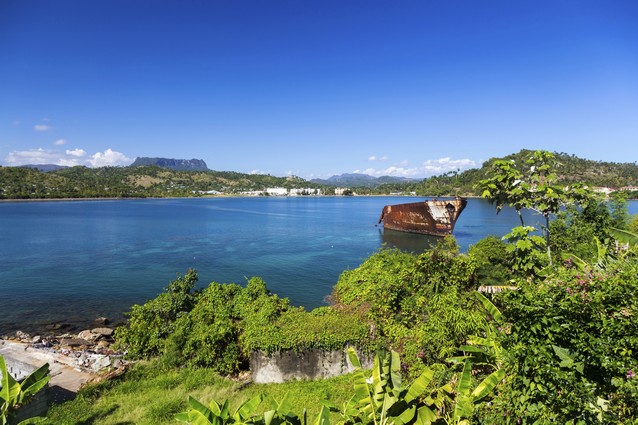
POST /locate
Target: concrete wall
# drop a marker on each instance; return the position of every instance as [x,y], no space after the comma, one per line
[306,364]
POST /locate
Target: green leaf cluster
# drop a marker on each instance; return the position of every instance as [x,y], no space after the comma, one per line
[420,305]
[150,324]
[218,326]
[571,348]
[14,394]
[296,329]
[379,398]
[493,261]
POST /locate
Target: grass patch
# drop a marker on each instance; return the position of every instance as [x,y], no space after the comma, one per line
[149,394]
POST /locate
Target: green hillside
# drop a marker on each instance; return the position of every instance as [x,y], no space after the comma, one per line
[152,181]
[571,169]
[126,182]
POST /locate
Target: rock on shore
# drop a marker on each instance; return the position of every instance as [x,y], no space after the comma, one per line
[90,350]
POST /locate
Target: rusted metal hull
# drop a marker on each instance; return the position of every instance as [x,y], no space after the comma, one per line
[435,217]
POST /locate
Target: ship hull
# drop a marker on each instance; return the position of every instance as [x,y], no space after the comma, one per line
[434,217]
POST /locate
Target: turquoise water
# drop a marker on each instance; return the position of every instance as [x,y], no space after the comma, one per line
[74,261]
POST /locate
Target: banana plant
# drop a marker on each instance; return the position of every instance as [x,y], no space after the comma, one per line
[280,412]
[466,399]
[488,351]
[485,349]
[14,394]
[624,236]
[383,399]
[606,258]
[216,414]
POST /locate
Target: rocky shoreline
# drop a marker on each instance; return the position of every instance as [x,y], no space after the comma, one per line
[89,350]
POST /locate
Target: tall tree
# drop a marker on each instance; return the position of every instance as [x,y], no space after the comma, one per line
[531,185]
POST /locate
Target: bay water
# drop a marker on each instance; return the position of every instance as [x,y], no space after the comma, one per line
[73,261]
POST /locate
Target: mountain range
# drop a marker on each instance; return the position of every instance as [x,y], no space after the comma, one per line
[45,168]
[571,169]
[360,180]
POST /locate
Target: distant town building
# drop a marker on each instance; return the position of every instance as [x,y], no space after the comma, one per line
[604,190]
[277,191]
[340,190]
[304,191]
[207,192]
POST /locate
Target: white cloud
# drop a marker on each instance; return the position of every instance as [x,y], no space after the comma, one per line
[42,127]
[60,142]
[377,158]
[443,165]
[76,152]
[108,158]
[258,171]
[33,156]
[427,169]
[68,158]
[390,171]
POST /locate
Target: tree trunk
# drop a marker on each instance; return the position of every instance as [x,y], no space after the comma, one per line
[549,250]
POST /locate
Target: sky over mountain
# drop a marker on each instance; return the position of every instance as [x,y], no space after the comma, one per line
[408,88]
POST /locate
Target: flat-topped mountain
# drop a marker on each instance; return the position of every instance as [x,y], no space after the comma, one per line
[172,164]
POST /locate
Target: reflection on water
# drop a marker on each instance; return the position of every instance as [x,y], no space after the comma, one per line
[408,242]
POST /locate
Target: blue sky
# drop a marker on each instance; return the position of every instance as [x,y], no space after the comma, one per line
[316,88]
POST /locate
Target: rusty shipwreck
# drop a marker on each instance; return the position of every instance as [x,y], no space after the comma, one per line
[433,217]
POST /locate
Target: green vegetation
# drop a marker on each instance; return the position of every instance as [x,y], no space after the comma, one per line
[557,342]
[422,306]
[153,181]
[128,182]
[571,344]
[569,169]
[150,394]
[15,394]
[217,327]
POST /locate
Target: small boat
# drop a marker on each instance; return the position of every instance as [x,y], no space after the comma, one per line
[433,217]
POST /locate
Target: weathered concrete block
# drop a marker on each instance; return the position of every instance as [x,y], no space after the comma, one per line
[305,364]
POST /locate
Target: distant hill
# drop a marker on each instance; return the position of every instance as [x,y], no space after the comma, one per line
[139,180]
[45,167]
[171,164]
[570,169]
[360,180]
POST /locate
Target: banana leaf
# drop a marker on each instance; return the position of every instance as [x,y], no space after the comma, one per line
[624,236]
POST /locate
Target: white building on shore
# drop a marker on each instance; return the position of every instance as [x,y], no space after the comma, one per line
[277,191]
[304,191]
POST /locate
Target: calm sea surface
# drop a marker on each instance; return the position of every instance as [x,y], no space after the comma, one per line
[71,262]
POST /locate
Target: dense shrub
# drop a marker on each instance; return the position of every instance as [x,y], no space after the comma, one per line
[493,262]
[574,231]
[296,329]
[151,323]
[209,335]
[571,344]
[420,306]
[218,326]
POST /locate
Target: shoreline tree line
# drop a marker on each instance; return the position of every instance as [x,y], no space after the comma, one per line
[153,181]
